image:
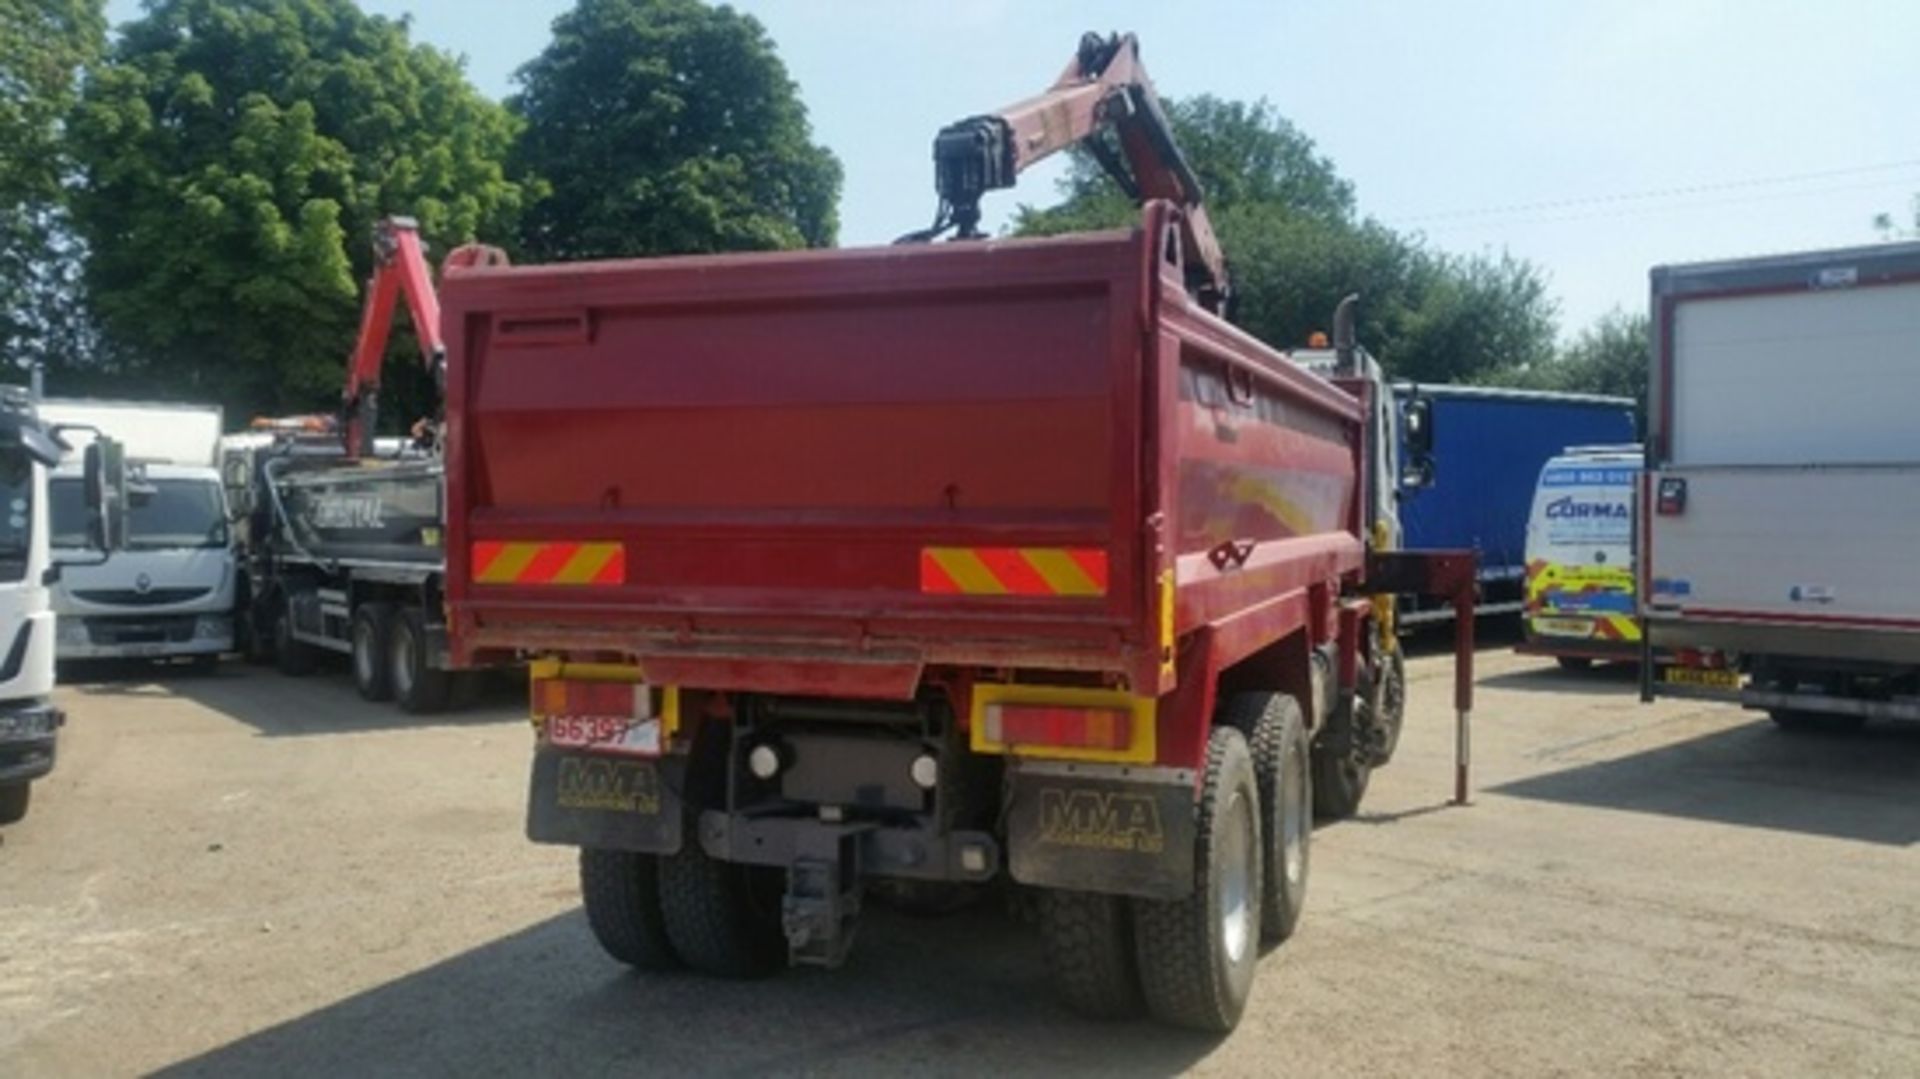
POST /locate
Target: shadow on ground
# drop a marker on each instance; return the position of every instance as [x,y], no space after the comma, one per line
[274,705]
[969,999]
[1603,680]
[1850,786]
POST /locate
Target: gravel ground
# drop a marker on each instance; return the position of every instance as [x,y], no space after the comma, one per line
[245,874]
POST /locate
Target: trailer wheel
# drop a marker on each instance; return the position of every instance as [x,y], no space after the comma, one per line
[1197,955]
[621,891]
[721,918]
[417,685]
[1277,735]
[1090,952]
[13,802]
[1340,769]
[372,628]
[292,657]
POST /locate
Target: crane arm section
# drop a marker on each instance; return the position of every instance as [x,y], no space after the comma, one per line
[399,270]
[1103,88]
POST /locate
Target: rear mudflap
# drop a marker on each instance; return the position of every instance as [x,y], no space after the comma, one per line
[607,802]
[1101,828]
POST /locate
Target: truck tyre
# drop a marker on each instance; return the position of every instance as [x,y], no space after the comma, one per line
[721,918]
[1340,770]
[1390,699]
[1090,952]
[293,658]
[372,626]
[1197,955]
[1277,735]
[13,802]
[418,686]
[621,891]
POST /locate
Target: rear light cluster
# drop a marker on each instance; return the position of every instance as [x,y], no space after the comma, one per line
[583,698]
[1670,499]
[1060,727]
[1705,659]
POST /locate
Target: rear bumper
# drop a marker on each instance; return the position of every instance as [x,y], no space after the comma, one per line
[1811,640]
[27,739]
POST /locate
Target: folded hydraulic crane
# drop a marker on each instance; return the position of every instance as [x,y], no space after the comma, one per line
[1105,89]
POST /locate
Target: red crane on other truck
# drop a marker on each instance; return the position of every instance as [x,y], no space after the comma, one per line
[919,567]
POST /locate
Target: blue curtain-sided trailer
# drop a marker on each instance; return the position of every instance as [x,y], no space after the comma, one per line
[1470,456]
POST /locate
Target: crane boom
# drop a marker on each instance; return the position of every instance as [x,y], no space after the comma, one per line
[1103,88]
[399,270]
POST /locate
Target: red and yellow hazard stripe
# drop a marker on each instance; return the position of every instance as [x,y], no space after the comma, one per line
[1013,571]
[537,562]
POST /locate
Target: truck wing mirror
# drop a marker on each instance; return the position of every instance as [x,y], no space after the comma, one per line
[1417,476]
[1418,418]
[105,482]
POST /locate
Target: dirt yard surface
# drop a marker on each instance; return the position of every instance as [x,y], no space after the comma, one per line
[245,874]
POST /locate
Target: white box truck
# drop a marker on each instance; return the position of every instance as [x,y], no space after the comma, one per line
[170,592]
[1781,501]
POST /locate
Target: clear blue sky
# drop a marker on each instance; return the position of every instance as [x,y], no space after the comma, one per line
[1489,125]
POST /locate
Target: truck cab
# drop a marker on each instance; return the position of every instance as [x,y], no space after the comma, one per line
[170,593]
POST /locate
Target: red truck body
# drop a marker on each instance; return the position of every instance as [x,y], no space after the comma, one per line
[807,461]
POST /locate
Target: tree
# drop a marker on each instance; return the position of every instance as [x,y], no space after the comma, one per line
[237,154]
[1609,357]
[1295,245]
[667,126]
[44,45]
[1893,226]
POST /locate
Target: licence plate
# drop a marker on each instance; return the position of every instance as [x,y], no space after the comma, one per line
[606,734]
[1550,626]
[1697,676]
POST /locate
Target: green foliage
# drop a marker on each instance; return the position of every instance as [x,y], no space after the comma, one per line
[237,154]
[1295,246]
[1611,357]
[44,44]
[667,126]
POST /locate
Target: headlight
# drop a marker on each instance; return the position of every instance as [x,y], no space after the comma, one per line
[209,626]
[26,724]
[71,630]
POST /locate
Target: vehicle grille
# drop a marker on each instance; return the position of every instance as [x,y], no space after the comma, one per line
[127,597]
[173,629]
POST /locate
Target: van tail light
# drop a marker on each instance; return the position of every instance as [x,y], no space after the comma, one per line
[1671,498]
[1059,727]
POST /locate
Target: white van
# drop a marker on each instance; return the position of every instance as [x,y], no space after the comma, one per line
[1580,602]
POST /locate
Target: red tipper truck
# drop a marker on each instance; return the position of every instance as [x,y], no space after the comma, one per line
[924,563]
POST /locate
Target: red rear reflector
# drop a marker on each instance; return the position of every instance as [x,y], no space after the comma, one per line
[1670,500]
[589,699]
[1052,725]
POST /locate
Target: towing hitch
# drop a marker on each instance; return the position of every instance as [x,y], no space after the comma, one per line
[822,904]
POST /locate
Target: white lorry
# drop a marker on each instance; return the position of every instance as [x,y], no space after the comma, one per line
[29,720]
[170,593]
[1781,500]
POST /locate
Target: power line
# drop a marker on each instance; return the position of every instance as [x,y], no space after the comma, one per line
[1653,193]
[1625,212]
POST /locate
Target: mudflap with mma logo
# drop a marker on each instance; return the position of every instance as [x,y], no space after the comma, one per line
[1085,827]
[605,802]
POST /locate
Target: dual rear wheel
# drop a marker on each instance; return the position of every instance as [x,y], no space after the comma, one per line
[392,659]
[1190,962]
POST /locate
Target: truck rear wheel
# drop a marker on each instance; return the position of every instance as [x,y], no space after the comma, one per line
[418,686]
[1277,735]
[1197,955]
[1090,952]
[621,891]
[291,657]
[13,802]
[1340,769]
[372,628]
[721,918]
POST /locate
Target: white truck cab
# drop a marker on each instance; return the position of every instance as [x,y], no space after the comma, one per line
[169,593]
